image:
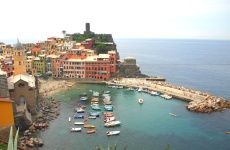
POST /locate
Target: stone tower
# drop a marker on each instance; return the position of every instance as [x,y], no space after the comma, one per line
[19,59]
[87,28]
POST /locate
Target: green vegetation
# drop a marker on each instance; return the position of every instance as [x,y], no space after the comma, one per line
[3,146]
[168,147]
[110,147]
[101,48]
[81,37]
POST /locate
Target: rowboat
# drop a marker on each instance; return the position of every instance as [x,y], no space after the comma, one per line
[95,93]
[92,117]
[78,116]
[89,126]
[106,92]
[96,114]
[79,110]
[69,118]
[172,114]
[227,132]
[94,99]
[113,132]
[112,123]
[140,100]
[107,119]
[79,123]
[75,129]
[90,131]
[83,98]
[108,107]
[96,108]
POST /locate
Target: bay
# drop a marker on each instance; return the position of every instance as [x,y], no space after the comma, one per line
[199,64]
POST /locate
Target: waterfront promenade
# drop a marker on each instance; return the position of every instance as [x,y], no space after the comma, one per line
[178,92]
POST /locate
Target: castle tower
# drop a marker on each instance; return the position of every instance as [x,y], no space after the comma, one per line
[19,59]
[87,27]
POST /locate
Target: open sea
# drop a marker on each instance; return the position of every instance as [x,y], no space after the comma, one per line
[202,65]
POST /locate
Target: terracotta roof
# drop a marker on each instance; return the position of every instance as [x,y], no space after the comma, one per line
[36,49]
[5,100]
[77,57]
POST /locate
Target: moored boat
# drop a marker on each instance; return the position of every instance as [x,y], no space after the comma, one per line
[89,126]
[92,117]
[108,107]
[153,93]
[112,123]
[79,110]
[78,116]
[96,114]
[227,132]
[75,129]
[108,119]
[140,100]
[106,92]
[172,114]
[96,108]
[112,132]
[90,131]
[79,123]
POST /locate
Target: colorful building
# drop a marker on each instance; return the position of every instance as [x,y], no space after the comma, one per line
[6,112]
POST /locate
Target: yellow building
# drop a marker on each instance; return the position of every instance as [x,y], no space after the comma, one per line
[6,112]
[19,59]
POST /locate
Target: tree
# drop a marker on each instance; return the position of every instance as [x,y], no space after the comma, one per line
[101,48]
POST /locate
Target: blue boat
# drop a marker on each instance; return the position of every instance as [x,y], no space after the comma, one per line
[94,114]
[78,116]
[83,98]
[96,108]
[108,107]
[106,92]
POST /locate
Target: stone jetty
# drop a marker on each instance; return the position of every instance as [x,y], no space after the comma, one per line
[198,101]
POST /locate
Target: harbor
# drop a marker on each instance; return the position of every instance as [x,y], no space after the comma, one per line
[198,101]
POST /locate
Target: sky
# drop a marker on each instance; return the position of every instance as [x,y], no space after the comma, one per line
[176,19]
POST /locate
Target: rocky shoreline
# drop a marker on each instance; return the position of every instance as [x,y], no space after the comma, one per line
[49,109]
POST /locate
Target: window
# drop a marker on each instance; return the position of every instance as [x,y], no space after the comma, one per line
[21,85]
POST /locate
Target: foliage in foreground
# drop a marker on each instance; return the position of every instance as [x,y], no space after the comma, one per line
[110,147]
[3,146]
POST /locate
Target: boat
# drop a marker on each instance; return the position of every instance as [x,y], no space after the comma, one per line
[95,99]
[172,114]
[108,107]
[140,89]
[89,126]
[140,100]
[120,87]
[90,131]
[107,112]
[69,118]
[83,98]
[107,119]
[112,132]
[75,129]
[96,94]
[108,115]
[78,116]
[82,106]
[153,93]
[227,132]
[107,102]
[79,110]
[92,117]
[112,123]
[96,108]
[94,104]
[106,92]
[79,123]
[165,96]
[96,114]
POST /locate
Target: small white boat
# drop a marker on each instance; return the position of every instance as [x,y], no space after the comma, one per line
[113,132]
[112,123]
[79,123]
[75,129]
[172,114]
[69,119]
[140,100]
[92,117]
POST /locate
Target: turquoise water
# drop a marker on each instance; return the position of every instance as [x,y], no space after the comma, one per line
[199,64]
[148,126]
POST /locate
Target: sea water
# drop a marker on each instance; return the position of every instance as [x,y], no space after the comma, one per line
[199,64]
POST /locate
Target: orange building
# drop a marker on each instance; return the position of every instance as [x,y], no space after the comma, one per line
[6,112]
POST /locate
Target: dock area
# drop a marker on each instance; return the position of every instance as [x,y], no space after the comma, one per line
[162,87]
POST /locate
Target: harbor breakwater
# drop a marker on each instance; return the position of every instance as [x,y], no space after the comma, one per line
[198,101]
